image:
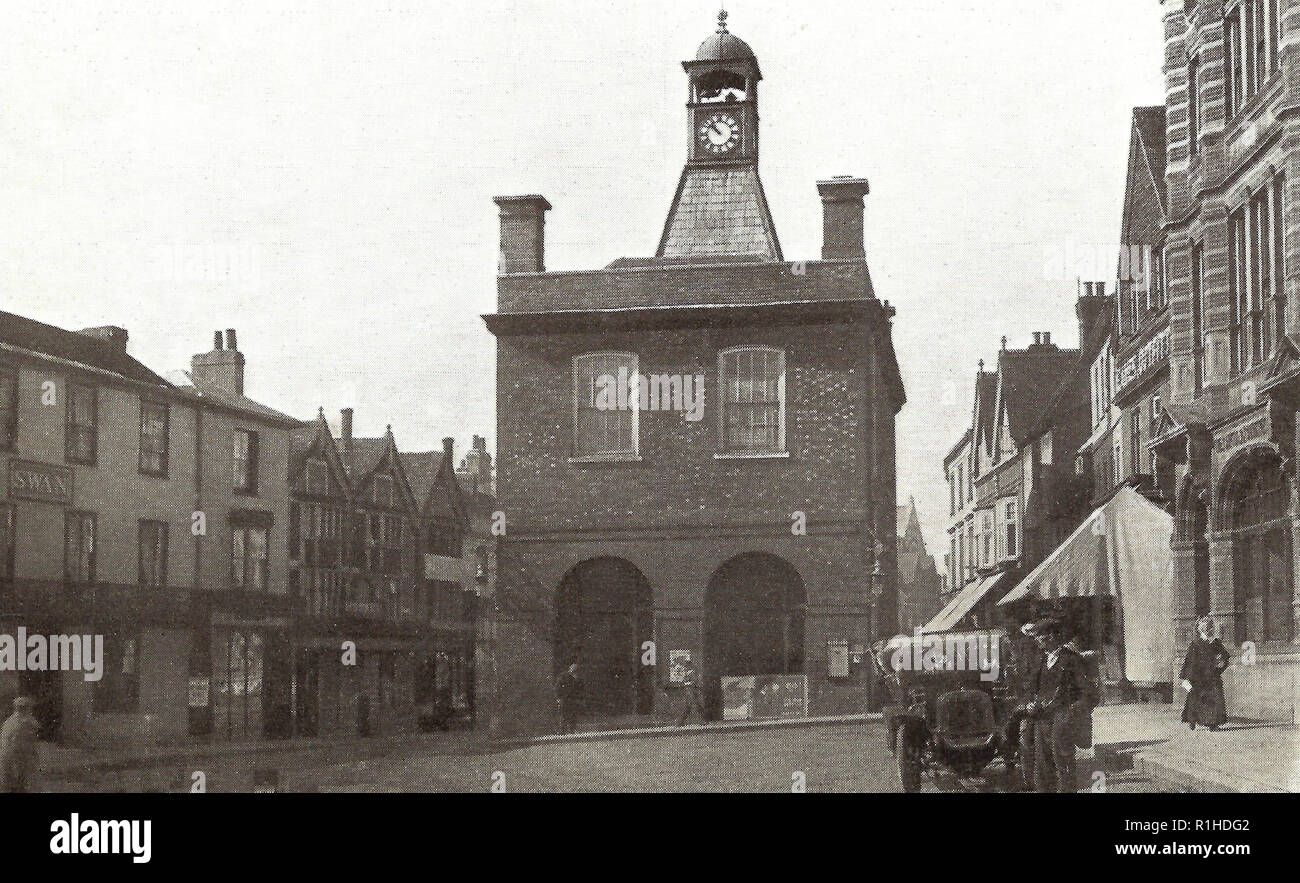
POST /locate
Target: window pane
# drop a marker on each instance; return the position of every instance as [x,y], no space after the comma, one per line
[601,427]
[752,406]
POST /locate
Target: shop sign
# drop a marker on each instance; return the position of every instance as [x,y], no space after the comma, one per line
[40,481]
[1154,352]
[1256,429]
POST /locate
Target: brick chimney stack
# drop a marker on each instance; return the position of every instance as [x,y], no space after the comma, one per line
[1092,303]
[223,367]
[110,334]
[842,218]
[523,234]
[345,430]
[477,466]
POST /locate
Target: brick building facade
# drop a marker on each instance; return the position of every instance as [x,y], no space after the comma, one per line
[1012,486]
[745,533]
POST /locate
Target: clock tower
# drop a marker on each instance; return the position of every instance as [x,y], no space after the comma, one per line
[720,208]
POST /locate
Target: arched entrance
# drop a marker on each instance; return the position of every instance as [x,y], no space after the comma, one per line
[604,612]
[753,623]
[1256,512]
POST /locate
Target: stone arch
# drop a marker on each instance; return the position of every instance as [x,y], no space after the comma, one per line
[754,612]
[1253,510]
[604,613]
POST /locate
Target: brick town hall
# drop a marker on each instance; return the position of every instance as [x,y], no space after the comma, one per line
[753,535]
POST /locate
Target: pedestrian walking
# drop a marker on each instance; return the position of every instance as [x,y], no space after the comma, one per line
[568,693]
[1202,677]
[1059,688]
[19,760]
[691,703]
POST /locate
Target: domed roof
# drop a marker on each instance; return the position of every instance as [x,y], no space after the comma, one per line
[723,45]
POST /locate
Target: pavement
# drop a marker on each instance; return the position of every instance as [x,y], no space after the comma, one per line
[1242,757]
[1139,747]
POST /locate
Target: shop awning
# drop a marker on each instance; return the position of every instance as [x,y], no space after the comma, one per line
[1121,551]
[948,618]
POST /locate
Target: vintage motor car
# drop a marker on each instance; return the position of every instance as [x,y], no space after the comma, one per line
[951,709]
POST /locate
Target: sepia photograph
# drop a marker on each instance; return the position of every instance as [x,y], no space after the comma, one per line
[673,398]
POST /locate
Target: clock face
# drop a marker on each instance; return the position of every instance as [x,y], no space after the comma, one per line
[719,133]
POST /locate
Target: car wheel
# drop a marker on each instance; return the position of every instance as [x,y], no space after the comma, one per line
[909,760]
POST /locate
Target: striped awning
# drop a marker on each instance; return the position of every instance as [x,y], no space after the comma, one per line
[948,618]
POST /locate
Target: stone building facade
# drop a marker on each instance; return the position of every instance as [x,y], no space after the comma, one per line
[744,534]
[1232,74]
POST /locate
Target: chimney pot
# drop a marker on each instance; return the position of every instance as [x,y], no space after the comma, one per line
[842,217]
[230,340]
[1047,338]
[448,446]
[345,425]
[222,367]
[1038,338]
[523,234]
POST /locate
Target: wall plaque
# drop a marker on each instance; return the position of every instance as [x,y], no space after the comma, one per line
[40,481]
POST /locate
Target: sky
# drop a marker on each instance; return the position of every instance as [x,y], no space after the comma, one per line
[319,176]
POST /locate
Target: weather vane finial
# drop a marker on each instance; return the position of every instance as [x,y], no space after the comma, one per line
[722,20]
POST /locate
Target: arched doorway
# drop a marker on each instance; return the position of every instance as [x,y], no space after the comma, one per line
[1256,511]
[604,612]
[753,623]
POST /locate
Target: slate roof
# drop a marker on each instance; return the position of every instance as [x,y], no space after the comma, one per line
[1030,380]
[362,455]
[422,470]
[28,334]
[1150,125]
[720,211]
[986,389]
[212,393]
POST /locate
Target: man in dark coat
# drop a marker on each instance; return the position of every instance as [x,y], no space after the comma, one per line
[568,692]
[691,703]
[1058,688]
[1028,660]
[18,757]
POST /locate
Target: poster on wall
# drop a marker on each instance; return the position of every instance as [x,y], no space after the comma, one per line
[837,659]
[199,689]
[738,698]
[765,697]
[679,662]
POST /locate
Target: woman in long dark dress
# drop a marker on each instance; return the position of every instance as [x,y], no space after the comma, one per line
[1202,677]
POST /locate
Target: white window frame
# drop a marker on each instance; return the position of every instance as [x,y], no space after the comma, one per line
[634,370]
[781,449]
[1009,509]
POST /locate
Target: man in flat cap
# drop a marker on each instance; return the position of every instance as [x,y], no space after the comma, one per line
[1058,686]
[18,757]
